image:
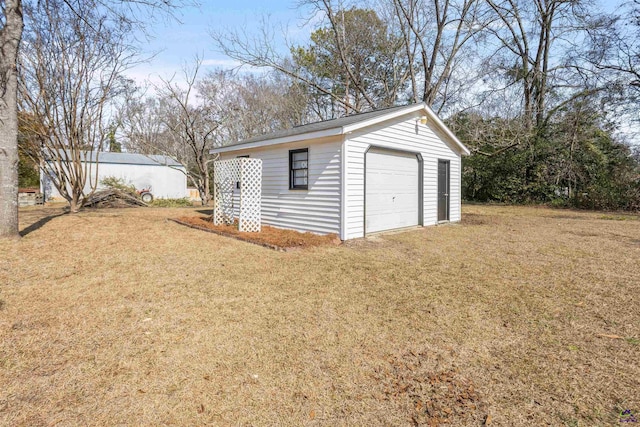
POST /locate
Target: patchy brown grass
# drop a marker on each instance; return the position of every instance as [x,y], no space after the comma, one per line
[524,316]
[275,238]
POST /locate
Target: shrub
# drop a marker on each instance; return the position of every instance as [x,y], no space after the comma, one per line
[559,203]
[119,184]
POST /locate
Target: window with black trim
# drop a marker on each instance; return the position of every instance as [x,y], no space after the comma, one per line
[298,169]
[238,182]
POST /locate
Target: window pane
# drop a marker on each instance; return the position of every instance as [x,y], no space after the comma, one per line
[300,164]
[300,156]
[298,168]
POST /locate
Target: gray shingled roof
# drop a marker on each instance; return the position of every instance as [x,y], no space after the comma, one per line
[132,159]
[136,159]
[320,126]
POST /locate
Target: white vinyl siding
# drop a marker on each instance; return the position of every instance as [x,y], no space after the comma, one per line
[400,135]
[316,209]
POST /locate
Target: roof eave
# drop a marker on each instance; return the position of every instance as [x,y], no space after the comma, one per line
[282,140]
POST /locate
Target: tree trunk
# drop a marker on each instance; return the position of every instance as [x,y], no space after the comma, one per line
[207,190]
[10,36]
[74,203]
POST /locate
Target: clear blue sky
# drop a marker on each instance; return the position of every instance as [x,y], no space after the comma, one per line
[180,42]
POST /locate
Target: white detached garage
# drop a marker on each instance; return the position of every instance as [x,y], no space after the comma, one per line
[366,173]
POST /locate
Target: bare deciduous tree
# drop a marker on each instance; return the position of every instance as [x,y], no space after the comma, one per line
[191,129]
[140,120]
[434,33]
[185,118]
[11,27]
[540,46]
[253,105]
[178,124]
[70,72]
[615,52]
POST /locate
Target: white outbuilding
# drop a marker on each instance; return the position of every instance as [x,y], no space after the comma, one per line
[365,173]
[164,176]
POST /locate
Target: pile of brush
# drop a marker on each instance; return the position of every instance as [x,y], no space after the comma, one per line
[113,198]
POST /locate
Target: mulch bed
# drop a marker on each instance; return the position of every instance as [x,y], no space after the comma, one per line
[270,237]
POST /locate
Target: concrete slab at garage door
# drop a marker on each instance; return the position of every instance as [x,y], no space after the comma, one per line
[392,190]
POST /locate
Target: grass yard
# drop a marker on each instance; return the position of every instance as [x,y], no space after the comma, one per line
[517,316]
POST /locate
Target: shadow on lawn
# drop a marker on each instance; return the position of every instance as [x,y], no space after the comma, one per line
[205,211]
[39,224]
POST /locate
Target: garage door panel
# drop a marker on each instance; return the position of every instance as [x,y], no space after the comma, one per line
[392,190]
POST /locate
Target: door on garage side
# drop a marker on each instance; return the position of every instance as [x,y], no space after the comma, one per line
[392,197]
[443,190]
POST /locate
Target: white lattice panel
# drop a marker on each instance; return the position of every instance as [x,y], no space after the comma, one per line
[250,195]
[249,173]
[225,174]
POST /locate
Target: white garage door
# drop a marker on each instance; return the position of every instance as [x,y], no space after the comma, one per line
[392,198]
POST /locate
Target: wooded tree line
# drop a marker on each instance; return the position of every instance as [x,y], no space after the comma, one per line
[538,89]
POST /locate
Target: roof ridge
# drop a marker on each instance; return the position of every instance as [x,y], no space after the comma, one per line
[378,110]
[323,124]
[120,157]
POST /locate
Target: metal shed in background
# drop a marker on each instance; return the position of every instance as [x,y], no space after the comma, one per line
[163,175]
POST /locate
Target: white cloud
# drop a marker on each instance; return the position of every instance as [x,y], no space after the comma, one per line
[222,63]
[228,63]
